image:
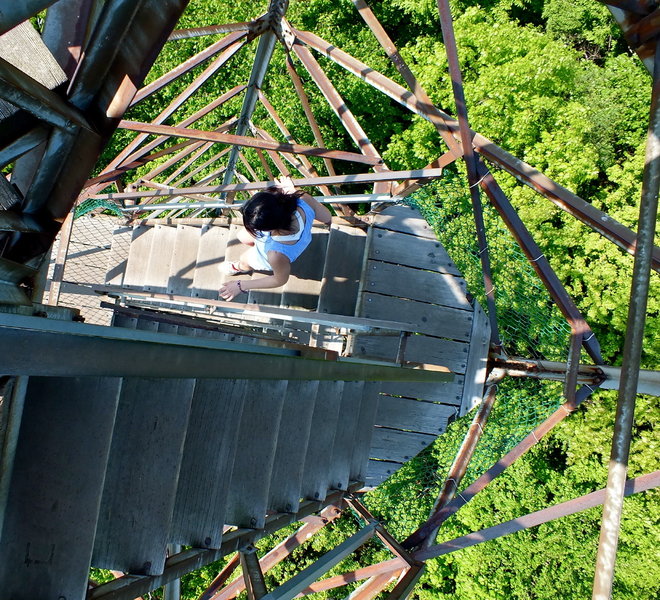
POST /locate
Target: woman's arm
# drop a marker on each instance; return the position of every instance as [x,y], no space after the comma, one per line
[281,272]
[321,213]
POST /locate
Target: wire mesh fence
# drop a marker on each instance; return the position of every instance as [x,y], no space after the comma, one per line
[86,262]
[530,326]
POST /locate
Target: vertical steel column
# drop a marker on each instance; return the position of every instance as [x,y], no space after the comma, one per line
[470,162]
[618,468]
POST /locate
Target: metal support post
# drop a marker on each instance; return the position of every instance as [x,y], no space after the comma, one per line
[252,575]
[632,351]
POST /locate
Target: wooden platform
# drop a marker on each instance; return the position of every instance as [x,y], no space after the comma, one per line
[395,270]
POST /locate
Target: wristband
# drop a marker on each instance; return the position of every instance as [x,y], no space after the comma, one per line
[239,285]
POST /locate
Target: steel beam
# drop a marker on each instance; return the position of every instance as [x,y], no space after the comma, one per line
[188,65]
[260,185]
[559,195]
[632,486]
[415,539]
[261,61]
[632,351]
[299,582]
[539,263]
[243,141]
[69,348]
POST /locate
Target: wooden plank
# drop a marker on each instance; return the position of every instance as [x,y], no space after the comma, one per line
[342,270]
[342,449]
[118,257]
[404,249]
[364,430]
[416,284]
[475,374]
[138,257]
[440,321]
[160,258]
[184,260]
[316,480]
[304,285]
[414,415]
[213,249]
[418,349]
[379,470]
[450,392]
[52,505]
[141,478]
[207,463]
[396,445]
[295,430]
[405,219]
[256,443]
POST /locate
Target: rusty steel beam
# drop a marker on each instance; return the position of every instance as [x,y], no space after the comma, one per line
[260,185]
[387,567]
[560,196]
[417,538]
[13,13]
[187,163]
[173,106]
[248,166]
[188,65]
[462,459]
[539,262]
[373,586]
[201,167]
[471,164]
[182,34]
[185,123]
[632,351]
[408,187]
[159,186]
[311,525]
[221,578]
[110,176]
[253,577]
[570,507]
[421,98]
[309,113]
[406,584]
[248,142]
[344,114]
[308,169]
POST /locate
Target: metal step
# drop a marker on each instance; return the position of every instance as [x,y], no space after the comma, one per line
[295,430]
[256,444]
[207,463]
[157,274]
[316,474]
[213,246]
[142,474]
[138,257]
[56,487]
[184,260]
[119,248]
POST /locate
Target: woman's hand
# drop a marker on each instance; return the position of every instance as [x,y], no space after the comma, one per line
[285,184]
[230,290]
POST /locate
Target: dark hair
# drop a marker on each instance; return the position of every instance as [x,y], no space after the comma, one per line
[269,210]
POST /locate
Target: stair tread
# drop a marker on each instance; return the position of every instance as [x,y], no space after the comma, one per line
[56,486]
[141,479]
[212,250]
[316,476]
[295,430]
[342,270]
[257,440]
[342,450]
[207,463]
[156,277]
[184,260]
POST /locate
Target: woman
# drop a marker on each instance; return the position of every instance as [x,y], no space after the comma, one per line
[278,228]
